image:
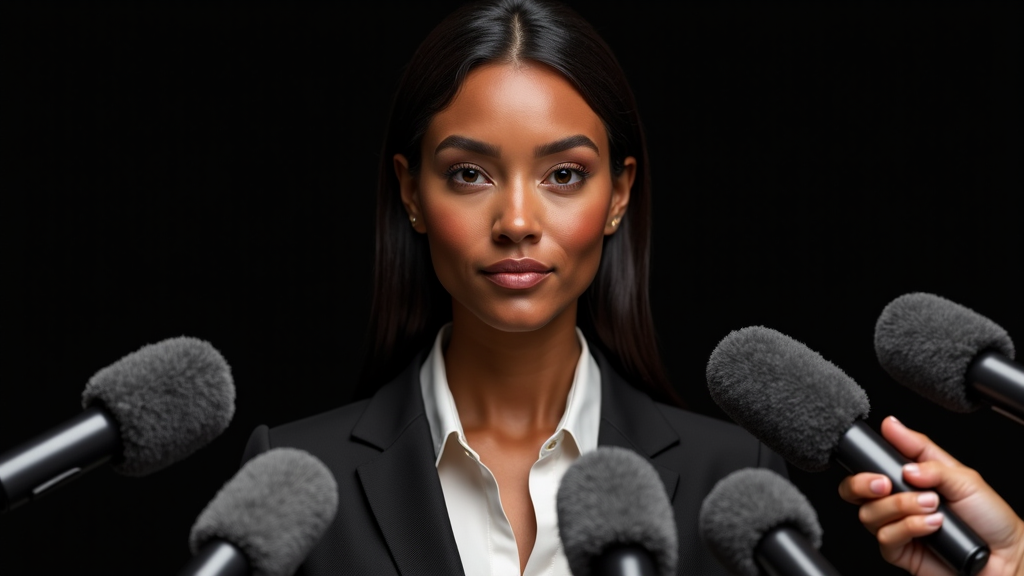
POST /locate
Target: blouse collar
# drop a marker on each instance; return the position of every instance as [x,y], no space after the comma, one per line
[582,415]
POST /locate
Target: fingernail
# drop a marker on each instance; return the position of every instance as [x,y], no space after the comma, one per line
[928,500]
[894,419]
[933,519]
[911,469]
[878,486]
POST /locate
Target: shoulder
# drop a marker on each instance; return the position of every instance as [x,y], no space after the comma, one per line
[327,435]
[722,446]
[347,436]
[693,425]
[339,421]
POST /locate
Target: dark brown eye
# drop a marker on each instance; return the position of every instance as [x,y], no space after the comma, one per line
[566,177]
[470,175]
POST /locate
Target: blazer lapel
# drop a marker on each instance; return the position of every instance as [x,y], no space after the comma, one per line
[629,419]
[404,491]
[402,486]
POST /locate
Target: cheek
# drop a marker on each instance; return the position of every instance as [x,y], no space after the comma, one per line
[453,234]
[448,229]
[580,232]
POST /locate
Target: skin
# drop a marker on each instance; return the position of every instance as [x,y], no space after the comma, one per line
[896,519]
[513,352]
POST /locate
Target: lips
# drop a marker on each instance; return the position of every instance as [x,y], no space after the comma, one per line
[517,274]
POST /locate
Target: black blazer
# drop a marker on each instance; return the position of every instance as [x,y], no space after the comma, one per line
[392,517]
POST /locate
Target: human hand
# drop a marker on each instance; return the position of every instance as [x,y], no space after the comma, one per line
[897,519]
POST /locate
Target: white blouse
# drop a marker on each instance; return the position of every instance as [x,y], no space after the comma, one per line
[482,531]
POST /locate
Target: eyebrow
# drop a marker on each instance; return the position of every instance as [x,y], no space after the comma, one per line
[471,145]
[564,144]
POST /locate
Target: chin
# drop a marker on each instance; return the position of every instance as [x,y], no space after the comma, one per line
[516,323]
[518,319]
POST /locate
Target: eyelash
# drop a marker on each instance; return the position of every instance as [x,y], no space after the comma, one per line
[577,169]
[451,172]
[581,171]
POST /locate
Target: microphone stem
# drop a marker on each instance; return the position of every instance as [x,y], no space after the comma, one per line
[56,457]
[624,560]
[861,449]
[1001,380]
[784,551]
[217,558]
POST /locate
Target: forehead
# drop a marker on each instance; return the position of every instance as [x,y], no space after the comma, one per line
[513,105]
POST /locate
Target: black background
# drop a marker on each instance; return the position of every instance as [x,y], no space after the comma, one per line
[209,170]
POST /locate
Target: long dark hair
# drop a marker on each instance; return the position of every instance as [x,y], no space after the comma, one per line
[409,304]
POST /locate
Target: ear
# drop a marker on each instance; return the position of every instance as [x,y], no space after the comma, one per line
[621,187]
[409,191]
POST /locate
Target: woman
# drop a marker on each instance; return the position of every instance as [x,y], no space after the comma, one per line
[511,330]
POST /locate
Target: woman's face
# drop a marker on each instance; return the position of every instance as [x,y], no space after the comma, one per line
[515,194]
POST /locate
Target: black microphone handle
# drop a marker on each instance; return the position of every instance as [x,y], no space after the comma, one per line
[785,551]
[624,560]
[57,456]
[861,449]
[217,558]
[1001,381]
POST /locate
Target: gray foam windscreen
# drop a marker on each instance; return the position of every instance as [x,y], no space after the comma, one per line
[746,505]
[785,394]
[169,399]
[275,509]
[613,496]
[927,343]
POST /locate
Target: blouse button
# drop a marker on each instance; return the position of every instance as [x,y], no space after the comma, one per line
[552,444]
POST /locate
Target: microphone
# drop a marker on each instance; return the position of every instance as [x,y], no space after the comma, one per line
[950,354]
[266,519]
[614,518]
[755,518]
[808,410]
[145,412]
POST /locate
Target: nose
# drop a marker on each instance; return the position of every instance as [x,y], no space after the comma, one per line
[517,213]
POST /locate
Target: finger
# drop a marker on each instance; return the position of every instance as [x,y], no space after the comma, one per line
[972,499]
[914,445]
[955,483]
[878,513]
[895,537]
[864,487]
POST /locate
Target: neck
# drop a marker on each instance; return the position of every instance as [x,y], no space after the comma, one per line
[516,382]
